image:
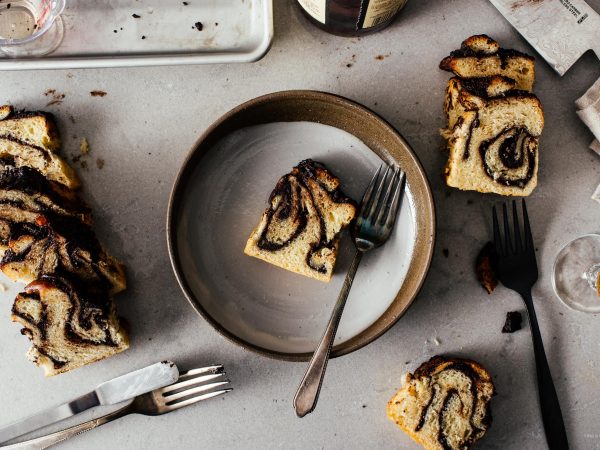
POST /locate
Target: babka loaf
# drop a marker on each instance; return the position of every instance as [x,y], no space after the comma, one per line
[19,154]
[69,323]
[31,127]
[300,229]
[481,56]
[495,148]
[444,405]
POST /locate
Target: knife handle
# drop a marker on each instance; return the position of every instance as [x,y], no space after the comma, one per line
[60,436]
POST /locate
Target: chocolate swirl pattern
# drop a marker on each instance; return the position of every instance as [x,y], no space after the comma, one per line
[70,323]
[445,404]
[510,157]
[299,231]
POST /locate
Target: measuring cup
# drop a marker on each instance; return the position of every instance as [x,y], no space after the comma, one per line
[30,28]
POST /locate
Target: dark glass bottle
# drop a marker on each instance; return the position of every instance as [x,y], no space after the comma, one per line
[351,17]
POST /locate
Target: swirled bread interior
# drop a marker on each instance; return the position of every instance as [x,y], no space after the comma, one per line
[69,324]
[494,122]
[31,127]
[481,56]
[444,405]
[299,231]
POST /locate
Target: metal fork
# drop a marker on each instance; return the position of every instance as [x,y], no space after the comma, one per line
[191,387]
[372,228]
[517,270]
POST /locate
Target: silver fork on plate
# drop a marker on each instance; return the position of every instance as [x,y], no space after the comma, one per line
[372,228]
[192,386]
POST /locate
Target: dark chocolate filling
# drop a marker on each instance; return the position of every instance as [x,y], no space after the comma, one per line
[511,155]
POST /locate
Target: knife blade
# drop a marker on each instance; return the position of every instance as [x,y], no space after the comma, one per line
[559,30]
[110,392]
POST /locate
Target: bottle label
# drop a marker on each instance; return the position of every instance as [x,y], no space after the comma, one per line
[316,8]
[379,11]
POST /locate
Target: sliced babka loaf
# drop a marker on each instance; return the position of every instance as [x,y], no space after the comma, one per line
[51,244]
[481,56]
[494,148]
[469,94]
[69,323]
[300,229]
[31,127]
[445,404]
[19,154]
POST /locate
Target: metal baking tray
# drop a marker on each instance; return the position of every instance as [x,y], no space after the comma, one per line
[105,33]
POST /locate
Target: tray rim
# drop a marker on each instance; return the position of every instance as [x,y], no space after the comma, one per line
[426,221]
[173,59]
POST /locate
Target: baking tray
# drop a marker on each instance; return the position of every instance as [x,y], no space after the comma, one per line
[167,32]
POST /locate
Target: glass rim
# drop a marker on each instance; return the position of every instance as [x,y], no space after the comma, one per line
[55,12]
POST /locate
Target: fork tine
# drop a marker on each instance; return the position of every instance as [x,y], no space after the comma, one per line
[190,382]
[516,228]
[368,195]
[384,205]
[376,205]
[395,202]
[507,239]
[197,399]
[497,238]
[196,390]
[528,236]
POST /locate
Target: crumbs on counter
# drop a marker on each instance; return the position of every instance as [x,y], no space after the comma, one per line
[484,268]
[143,37]
[185,3]
[100,163]
[56,97]
[445,252]
[84,147]
[96,93]
[382,57]
[513,322]
[136,16]
[198,26]
[352,61]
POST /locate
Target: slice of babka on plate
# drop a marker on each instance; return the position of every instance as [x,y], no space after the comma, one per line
[69,323]
[445,404]
[300,229]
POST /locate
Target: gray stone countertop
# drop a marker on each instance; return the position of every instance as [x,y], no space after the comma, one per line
[142,130]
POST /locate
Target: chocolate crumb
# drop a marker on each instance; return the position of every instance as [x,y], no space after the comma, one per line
[100,163]
[199,26]
[97,93]
[185,3]
[513,322]
[349,65]
[445,252]
[114,31]
[136,16]
[8,6]
[485,268]
[143,37]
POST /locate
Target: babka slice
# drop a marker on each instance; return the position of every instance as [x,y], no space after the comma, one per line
[481,56]
[494,148]
[300,229]
[31,127]
[19,154]
[50,244]
[70,324]
[469,94]
[445,404]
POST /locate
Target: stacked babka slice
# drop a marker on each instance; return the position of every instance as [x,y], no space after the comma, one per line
[494,121]
[46,241]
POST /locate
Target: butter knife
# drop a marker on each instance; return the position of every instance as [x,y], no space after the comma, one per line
[110,392]
[559,30]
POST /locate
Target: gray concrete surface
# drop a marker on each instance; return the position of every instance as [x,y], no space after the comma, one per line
[143,129]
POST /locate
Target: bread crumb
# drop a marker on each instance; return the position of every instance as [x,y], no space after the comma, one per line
[97,93]
[99,163]
[84,147]
[484,268]
[436,341]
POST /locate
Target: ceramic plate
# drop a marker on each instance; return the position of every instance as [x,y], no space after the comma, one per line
[223,189]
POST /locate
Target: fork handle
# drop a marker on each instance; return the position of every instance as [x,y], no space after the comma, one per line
[55,438]
[556,435]
[307,394]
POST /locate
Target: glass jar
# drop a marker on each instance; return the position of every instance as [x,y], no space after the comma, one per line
[351,17]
